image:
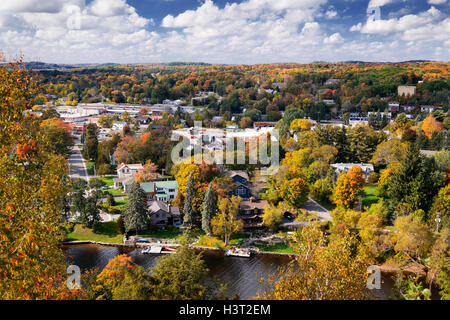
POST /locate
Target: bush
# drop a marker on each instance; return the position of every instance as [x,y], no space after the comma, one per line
[373,177]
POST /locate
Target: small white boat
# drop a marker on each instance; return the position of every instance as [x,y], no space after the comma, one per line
[238,252]
[152,249]
[158,250]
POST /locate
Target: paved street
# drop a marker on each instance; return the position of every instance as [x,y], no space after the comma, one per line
[313,206]
[77,165]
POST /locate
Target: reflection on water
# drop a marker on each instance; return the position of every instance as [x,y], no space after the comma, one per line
[241,274]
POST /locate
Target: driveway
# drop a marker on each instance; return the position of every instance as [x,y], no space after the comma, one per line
[313,206]
[77,166]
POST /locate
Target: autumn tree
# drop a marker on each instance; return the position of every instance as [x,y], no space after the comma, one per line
[348,187]
[148,173]
[295,192]
[273,216]
[321,270]
[227,222]
[32,191]
[430,126]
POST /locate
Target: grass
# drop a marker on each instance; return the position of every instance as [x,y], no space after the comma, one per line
[109,181]
[120,204]
[238,238]
[105,232]
[170,234]
[370,195]
[277,248]
[115,192]
[90,167]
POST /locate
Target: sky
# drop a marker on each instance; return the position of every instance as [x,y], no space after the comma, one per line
[224,32]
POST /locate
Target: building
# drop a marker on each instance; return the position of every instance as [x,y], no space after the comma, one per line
[118,125]
[162,214]
[125,173]
[406,90]
[251,212]
[264,124]
[164,191]
[394,106]
[143,119]
[428,109]
[367,168]
[241,181]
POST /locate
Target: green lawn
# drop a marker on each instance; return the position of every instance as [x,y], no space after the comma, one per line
[238,238]
[109,181]
[370,195]
[115,192]
[277,248]
[120,204]
[166,234]
[105,232]
[90,167]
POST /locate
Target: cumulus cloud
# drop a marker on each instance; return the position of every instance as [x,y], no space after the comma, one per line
[437,2]
[251,31]
[334,38]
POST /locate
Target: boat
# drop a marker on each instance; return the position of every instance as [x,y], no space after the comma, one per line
[239,252]
[158,250]
[152,249]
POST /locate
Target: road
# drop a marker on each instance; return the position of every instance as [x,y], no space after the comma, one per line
[77,166]
[313,206]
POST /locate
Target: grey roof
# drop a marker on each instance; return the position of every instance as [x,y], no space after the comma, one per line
[241,173]
[159,205]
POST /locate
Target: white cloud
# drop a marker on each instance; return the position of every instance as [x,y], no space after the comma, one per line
[252,31]
[334,38]
[437,1]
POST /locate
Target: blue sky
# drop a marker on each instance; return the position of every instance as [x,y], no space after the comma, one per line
[218,31]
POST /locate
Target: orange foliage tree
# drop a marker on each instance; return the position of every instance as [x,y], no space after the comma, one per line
[32,189]
[348,187]
[431,125]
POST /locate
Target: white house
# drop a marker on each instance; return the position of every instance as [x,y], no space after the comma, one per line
[367,168]
[125,173]
[118,125]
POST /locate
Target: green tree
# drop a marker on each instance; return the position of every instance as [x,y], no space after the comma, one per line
[209,209]
[188,210]
[180,276]
[135,211]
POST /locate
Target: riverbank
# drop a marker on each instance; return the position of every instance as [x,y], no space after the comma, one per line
[171,245]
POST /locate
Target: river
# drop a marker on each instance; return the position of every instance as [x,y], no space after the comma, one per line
[241,274]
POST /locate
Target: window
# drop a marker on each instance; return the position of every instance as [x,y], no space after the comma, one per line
[171,190]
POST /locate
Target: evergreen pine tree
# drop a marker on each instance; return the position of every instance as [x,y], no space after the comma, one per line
[135,212]
[407,184]
[209,209]
[188,210]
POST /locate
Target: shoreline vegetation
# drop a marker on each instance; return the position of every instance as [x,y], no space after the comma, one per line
[106,234]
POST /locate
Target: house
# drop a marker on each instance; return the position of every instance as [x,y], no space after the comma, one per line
[241,181]
[367,168]
[162,214]
[125,173]
[128,169]
[406,90]
[394,106]
[143,119]
[118,125]
[164,191]
[251,212]
[428,109]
